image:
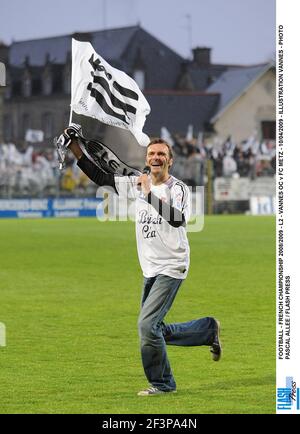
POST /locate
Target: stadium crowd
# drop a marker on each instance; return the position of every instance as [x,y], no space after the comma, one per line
[32,171]
[250,158]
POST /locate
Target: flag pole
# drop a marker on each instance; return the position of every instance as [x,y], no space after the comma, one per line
[71,111]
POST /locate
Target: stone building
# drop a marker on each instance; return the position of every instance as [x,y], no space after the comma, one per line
[215,99]
[247,103]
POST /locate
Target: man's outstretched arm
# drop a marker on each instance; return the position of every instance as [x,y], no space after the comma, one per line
[91,170]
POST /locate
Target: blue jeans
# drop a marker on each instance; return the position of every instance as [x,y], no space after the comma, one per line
[158,295]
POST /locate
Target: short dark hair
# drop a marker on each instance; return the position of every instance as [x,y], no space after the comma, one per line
[160,141]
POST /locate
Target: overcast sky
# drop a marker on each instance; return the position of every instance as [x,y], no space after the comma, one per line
[238,31]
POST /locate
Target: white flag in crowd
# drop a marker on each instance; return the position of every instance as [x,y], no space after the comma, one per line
[190,133]
[34,136]
[166,135]
[106,93]
[200,139]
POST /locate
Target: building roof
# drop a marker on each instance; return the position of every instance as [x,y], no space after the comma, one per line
[177,110]
[131,48]
[233,82]
[110,44]
[124,48]
[161,64]
[38,49]
[203,77]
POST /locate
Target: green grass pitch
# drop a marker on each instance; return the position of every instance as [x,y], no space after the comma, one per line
[70,294]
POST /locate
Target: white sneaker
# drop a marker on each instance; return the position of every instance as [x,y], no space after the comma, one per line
[153,391]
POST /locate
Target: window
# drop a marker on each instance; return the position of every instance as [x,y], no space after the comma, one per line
[66,118]
[7,128]
[47,125]
[139,78]
[7,90]
[210,80]
[27,86]
[268,130]
[25,124]
[47,84]
[57,84]
[36,86]
[17,88]
[2,74]
[67,81]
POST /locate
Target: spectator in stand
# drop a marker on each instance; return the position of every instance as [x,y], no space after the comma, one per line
[27,168]
[190,147]
[195,169]
[217,159]
[178,145]
[229,166]
[243,167]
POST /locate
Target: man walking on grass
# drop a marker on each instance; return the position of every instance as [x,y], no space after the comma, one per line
[162,212]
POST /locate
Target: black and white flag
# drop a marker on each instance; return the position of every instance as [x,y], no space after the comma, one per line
[106,93]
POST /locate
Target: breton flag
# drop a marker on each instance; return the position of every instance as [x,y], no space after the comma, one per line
[105,93]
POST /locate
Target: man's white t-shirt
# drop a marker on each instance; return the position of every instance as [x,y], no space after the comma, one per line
[162,248]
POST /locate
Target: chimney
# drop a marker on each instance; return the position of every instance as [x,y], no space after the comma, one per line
[201,56]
